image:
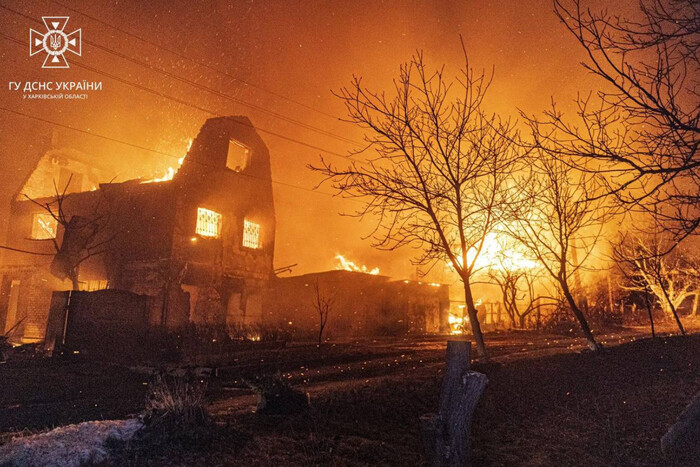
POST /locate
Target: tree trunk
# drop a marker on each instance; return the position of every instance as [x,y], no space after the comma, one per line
[647,302]
[511,317]
[510,308]
[321,327]
[592,344]
[516,317]
[74,280]
[445,435]
[474,322]
[673,310]
[610,294]
[513,321]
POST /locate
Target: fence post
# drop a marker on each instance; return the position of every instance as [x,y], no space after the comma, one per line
[65,320]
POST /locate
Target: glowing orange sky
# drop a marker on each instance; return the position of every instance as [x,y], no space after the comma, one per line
[300,49]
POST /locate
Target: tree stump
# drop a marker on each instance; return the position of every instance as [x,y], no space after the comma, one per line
[682,441]
[446,434]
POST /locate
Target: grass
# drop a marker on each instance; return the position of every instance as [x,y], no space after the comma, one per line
[177,424]
[176,403]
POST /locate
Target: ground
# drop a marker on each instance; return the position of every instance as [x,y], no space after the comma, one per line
[547,402]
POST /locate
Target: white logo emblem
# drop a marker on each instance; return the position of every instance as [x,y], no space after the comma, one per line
[55,42]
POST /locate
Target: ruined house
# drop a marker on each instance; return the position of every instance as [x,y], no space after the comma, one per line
[361,304]
[199,246]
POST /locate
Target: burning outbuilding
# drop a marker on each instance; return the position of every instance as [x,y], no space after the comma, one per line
[362,304]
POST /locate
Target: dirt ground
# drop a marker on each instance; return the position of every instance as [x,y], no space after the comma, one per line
[547,403]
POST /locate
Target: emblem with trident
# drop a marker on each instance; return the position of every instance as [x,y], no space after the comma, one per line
[55,42]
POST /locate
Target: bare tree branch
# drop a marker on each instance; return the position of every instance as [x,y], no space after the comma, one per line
[641,132]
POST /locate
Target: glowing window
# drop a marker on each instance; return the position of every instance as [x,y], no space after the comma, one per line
[44,226]
[251,234]
[238,156]
[208,223]
[94,285]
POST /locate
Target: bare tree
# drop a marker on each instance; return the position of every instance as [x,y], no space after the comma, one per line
[517,288]
[650,311]
[559,216]
[638,284]
[642,130]
[83,235]
[322,304]
[438,180]
[671,277]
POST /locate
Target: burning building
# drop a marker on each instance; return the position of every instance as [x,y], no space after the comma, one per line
[199,243]
[361,304]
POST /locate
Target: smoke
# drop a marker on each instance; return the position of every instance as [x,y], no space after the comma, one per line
[301,50]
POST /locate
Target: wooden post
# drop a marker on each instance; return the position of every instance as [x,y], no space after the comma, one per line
[446,434]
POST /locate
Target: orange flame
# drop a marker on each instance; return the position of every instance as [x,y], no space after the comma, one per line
[347,265]
[170,172]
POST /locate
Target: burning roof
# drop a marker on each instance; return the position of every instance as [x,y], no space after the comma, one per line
[347,265]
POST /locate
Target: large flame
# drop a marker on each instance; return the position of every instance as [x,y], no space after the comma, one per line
[347,265]
[496,254]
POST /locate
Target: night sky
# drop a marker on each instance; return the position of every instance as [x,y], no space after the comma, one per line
[300,50]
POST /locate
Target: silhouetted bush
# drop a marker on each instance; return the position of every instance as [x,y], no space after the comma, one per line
[276,396]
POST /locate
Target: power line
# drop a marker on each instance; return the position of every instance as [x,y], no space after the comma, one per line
[188,104]
[199,86]
[156,151]
[197,61]
[202,87]
[4,247]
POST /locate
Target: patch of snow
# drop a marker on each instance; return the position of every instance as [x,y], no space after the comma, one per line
[68,446]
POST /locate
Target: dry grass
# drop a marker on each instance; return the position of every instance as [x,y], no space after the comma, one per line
[176,402]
